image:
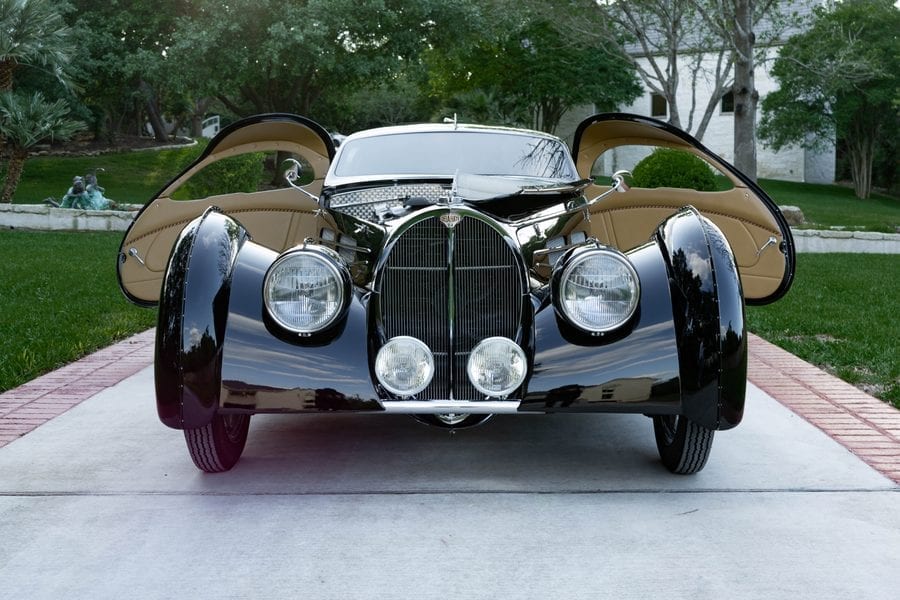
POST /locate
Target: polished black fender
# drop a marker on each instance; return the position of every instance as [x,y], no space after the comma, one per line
[634,369]
[684,352]
[193,311]
[708,307]
[266,369]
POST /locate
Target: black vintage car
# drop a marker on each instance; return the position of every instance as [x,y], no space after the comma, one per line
[452,272]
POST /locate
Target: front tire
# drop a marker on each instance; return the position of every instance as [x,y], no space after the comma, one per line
[217,446]
[683,445]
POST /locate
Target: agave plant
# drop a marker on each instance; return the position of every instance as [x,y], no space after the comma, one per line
[26,120]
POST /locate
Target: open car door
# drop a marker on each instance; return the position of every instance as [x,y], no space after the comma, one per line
[754,226]
[277,218]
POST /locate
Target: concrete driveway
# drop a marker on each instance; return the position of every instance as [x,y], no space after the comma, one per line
[104,502]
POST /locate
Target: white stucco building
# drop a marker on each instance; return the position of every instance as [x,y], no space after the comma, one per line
[791,164]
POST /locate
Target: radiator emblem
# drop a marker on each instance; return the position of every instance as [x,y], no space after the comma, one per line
[450,220]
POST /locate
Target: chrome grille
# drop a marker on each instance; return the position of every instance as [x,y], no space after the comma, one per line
[364,204]
[485,297]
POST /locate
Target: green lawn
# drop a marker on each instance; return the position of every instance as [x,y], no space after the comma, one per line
[130,177]
[59,300]
[841,314]
[827,206]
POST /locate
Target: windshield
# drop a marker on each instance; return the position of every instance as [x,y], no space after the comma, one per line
[446,152]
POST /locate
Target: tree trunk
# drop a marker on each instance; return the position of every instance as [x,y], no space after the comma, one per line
[14,169]
[861,148]
[196,126]
[277,176]
[7,67]
[746,96]
[156,122]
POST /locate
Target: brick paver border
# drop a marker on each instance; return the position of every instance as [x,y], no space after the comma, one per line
[864,425]
[31,405]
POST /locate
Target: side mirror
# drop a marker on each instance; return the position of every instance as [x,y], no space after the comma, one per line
[621,180]
[619,184]
[292,175]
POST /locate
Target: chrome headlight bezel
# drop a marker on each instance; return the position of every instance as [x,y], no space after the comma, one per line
[339,278]
[562,278]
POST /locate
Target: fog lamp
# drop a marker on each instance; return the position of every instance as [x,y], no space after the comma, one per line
[497,366]
[404,366]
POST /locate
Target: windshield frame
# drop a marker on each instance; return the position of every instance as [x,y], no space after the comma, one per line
[410,153]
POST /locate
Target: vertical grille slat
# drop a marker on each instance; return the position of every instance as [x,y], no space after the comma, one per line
[487,294]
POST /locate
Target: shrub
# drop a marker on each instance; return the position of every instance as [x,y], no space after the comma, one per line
[241,173]
[674,168]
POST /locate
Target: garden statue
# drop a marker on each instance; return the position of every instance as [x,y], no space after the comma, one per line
[85,193]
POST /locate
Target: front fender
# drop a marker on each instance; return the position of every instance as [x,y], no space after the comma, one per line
[685,352]
[193,310]
[708,307]
[634,370]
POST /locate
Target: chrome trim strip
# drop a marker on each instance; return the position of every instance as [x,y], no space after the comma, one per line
[451,300]
[434,407]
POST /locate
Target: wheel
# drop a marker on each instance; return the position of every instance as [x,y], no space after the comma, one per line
[217,446]
[683,445]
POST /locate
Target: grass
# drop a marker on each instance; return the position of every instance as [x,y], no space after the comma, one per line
[841,316]
[826,206]
[59,300]
[129,177]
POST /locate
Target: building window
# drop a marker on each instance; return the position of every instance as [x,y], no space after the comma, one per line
[727,105]
[658,106]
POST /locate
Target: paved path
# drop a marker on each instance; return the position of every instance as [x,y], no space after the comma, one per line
[103,502]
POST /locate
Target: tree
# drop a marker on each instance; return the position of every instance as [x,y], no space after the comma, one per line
[711,42]
[659,39]
[121,60]
[257,56]
[26,121]
[735,22]
[535,71]
[34,33]
[841,76]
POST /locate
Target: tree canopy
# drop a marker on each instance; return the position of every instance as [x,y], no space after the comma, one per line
[841,76]
[534,73]
[266,55]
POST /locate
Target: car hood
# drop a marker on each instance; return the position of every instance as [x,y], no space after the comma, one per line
[482,188]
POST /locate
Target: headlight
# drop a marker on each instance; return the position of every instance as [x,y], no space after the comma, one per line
[497,366]
[598,290]
[305,290]
[404,365]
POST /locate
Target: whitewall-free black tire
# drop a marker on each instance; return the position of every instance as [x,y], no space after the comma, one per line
[683,445]
[217,446]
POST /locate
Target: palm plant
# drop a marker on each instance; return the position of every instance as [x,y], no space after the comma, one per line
[33,33]
[25,121]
